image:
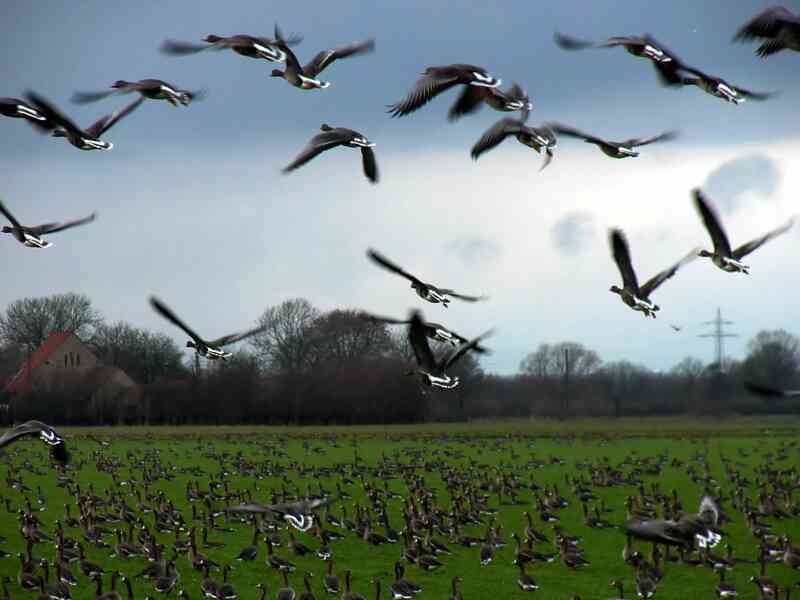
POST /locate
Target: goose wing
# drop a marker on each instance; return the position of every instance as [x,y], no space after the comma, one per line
[387,264]
[105,123]
[419,342]
[56,227]
[754,95]
[10,217]
[711,221]
[87,97]
[167,313]
[662,137]
[749,247]
[318,144]
[651,285]
[426,88]
[567,42]
[622,256]
[369,164]
[656,530]
[387,320]
[178,48]
[468,102]
[770,392]
[464,348]
[464,297]
[493,136]
[249,507]
[767,24]
[324,58]
[53,117]
[235,337]
[575,133]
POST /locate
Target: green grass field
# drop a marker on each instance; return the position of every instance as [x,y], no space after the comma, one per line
[482,449]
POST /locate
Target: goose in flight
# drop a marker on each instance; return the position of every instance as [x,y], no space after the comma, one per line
[305,77]
[16,108]
[635,296]
[45,432]
[770,392]
[32,236]
[426,291]
[622,149]
[473,97]
[436,80]
[263,48]
[432,372]
[211,349]
[433,331]
[722,256]
[719,88]
[331,137]
[299,515]
[83,139]
[155,89]
[541,139]
[646,46]
[701,527]
[776,27]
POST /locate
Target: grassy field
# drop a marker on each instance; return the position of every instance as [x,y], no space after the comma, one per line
[294,459]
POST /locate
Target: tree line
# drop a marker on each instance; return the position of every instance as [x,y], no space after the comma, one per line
[339,367]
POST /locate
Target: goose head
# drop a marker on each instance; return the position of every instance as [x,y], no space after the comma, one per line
[704,254]
[615,289]
[185,98]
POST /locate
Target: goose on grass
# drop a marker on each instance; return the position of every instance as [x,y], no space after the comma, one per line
[631,293]
[426,291]
[299,514]
[211,349]
[32,236]
[331,137]
[722,256]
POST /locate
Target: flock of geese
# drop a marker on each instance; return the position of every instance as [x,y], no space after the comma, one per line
[444,489]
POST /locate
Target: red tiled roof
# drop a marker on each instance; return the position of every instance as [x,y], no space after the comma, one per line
[36,359]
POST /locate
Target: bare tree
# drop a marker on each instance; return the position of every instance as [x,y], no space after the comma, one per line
[30,321]
[285,346]
[773,358]
[551,360]
[345,335]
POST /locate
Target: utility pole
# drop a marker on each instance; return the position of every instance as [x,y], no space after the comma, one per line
[565,407]
[719,334]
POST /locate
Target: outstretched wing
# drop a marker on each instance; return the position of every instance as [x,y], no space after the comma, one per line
[53,117]
[324,58]
[769,392]
[493,136]
[566,42]
[369,164]
[105,123]
[424,91]
[662,137]
[178,48]
[464,348]
[749,247]
[649,287]
[235,337]
[250,507]
[56,227]
[575,133]
[389,265]
[622,256]
[419,342]
[711,221]
[87,97]
[754,95]
[318,144]
[9,216]
[767,24]
[387,320]
[468,102]
[167,313]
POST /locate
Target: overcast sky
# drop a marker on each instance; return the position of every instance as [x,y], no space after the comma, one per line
[193,206]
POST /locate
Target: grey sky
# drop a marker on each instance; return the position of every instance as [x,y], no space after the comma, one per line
[192,205]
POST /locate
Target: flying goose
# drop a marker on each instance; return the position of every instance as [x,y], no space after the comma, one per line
[45,432]
[434,331]
[718,87]
[541,139]
[211,349]
[31,236]
[622,149]
[83,139]
[638,298]
[331,137]
[470,100]
[432,372]
[426,291]
[664,61]
[436,80]
[722,256]
[299,515]
[305,77]
[246,45]
[778,29]
[683,531]
[155,89]
[770,392]
[16,108]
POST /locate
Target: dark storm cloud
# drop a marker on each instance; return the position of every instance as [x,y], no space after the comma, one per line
[572,232]
[752,173]
[475,250]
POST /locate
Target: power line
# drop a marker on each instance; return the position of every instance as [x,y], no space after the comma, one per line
[719,334]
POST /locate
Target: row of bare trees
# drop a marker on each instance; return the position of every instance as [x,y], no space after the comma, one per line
[310,366]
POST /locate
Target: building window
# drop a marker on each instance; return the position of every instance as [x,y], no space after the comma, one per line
[78,359]
[66,358]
